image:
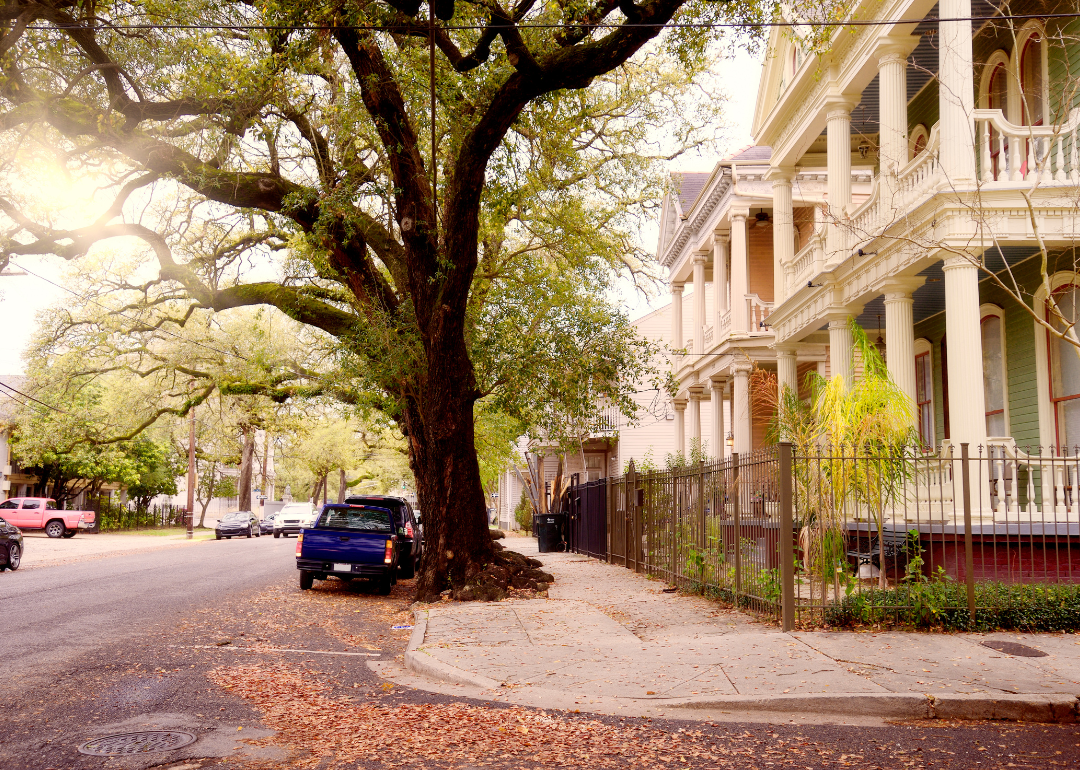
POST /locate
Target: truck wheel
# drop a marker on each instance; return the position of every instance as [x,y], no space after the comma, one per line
[407,568]
[277,534]
[306,580]
[386,584]
[55,528]
[217,535]
[14,557]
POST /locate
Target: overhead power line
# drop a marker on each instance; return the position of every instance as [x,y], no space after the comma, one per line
[564,25]
[27,395]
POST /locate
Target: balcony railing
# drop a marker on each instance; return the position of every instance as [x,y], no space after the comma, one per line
[916,180]
[757,311]
[1012,153]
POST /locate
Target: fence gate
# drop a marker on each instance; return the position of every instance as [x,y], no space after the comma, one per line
[588,519]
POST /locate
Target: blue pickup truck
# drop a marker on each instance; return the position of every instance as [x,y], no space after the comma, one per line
[350,542]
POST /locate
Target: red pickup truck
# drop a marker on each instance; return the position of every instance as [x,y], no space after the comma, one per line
[42,513]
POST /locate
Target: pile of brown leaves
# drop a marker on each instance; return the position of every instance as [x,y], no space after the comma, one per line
[317,727]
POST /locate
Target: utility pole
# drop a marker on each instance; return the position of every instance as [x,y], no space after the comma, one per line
[191,478]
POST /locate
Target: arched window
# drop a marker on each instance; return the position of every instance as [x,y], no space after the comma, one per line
[918,139]
[1033,79]
[924,392]
[995,389]
[1064,366]
[998,99]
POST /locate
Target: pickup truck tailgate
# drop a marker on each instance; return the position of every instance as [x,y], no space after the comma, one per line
[338,546]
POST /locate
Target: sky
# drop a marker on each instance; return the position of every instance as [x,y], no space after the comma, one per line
[23,296]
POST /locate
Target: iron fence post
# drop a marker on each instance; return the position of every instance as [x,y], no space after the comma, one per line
[738,534]
[607,516]
[787,555]
[969,566]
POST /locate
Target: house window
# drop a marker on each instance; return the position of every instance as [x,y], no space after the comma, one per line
[994,390]
[918,139]
[998,99]
[1065,368]
[924,393]
[1032,80]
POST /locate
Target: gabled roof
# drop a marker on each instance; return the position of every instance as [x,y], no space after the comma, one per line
[751,153]
[687,185]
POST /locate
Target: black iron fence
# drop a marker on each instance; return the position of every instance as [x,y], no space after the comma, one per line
[839,536]
[114,516]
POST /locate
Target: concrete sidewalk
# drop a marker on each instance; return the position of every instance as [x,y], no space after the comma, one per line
[610,641]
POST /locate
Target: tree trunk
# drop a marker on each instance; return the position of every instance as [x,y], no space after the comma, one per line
[439,426]
[341,486]
[247,457]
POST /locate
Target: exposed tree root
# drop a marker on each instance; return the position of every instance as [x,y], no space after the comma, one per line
[508,569]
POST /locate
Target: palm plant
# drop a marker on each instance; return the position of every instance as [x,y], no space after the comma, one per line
[851,441]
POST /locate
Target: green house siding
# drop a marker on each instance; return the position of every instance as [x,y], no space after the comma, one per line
[1020,342]
[1063,65]
[924,107]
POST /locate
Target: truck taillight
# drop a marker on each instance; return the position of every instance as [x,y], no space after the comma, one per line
[389,558]
[299,543]
[408,528]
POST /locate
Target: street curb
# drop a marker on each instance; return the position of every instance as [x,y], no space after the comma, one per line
[1020,708]
[419,662]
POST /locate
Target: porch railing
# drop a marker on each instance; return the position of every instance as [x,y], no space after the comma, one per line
[1012,153]
[757,311]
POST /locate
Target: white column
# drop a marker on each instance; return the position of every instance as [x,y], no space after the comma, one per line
[787,367]
[718,438]
[892,109]
[956,94]
[838,129]
[720,276]
[967,406]
[695,419]
[676,318]
[699,306]
[680,426]
[841,356]
[900,335]
[740,405]
[783,231]
[787,375]
[738,271]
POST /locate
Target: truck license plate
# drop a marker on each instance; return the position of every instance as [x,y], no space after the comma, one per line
[342,568]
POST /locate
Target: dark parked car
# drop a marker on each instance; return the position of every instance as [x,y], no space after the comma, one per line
[237,524]
[410,540]
[11,546]
[266,525]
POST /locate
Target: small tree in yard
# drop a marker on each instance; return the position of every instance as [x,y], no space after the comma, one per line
[291,161]
[523,513]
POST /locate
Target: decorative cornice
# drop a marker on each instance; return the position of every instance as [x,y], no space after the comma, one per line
[701,212]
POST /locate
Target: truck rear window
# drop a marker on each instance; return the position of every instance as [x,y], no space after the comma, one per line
[358,519]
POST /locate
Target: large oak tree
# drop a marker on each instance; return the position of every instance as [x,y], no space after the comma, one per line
[238,135]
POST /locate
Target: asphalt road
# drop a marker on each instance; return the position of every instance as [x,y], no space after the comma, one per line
[60,613]
[217,640]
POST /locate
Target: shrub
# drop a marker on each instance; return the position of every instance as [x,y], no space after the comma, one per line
[523,514]
[1025,607]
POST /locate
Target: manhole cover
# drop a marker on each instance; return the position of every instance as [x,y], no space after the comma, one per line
[136,743]
[1013,648]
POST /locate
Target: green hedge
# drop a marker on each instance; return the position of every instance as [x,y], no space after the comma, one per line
[1024,607]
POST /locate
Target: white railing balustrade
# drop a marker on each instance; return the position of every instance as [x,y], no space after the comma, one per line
[708,335]
[725,325]
[756,313]
[1012,153]
[802,267]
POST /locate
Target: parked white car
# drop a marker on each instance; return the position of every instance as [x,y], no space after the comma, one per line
[292,518]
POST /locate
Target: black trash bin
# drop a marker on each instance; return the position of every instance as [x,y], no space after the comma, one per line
[550,529]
